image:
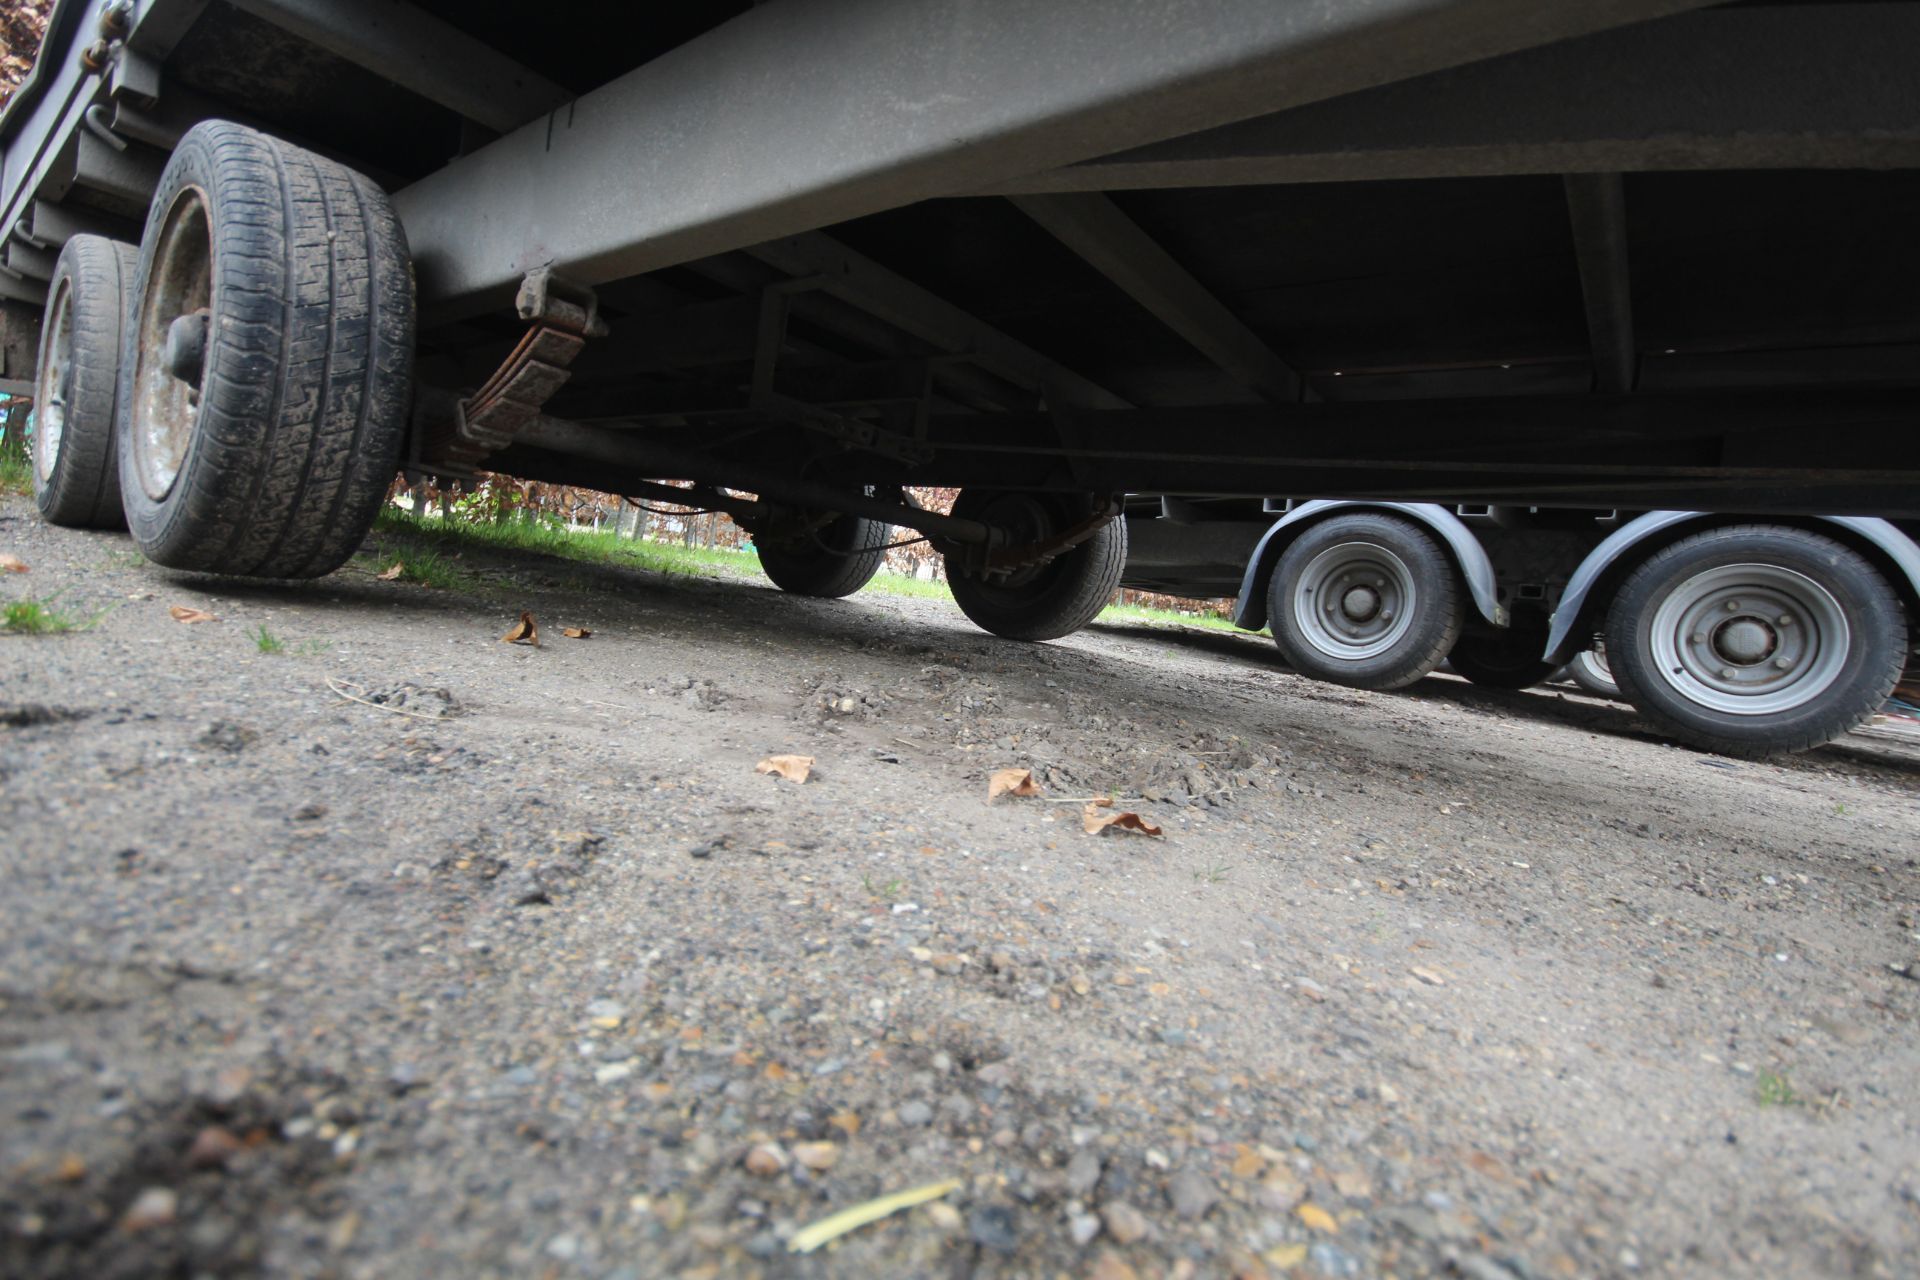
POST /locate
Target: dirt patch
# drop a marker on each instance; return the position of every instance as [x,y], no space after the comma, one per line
[1445,982]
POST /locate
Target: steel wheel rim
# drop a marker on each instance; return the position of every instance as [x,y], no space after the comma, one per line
[1750,639]
[55,387]
[1354,601]
[166,407]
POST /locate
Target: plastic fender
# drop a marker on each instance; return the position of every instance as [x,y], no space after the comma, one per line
[1561,643]
[1250,611]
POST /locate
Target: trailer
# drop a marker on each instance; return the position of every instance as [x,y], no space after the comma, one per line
[261,255]
[1748,635]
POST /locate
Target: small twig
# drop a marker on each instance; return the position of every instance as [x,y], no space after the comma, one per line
[621,706]
[337,687]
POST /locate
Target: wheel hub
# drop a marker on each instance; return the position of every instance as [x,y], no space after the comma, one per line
[1749,639]
[1744,641]
[56,381]
[1360,604]
[171,354]
[1354,601]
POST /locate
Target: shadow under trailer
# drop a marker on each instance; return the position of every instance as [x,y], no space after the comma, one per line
[258,256]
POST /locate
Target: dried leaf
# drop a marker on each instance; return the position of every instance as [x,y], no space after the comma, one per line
[1317,1218]
[11,563]
[393,574]
[1429,976]
[1093,822]
[792,768]
[575,633]
[525,631]
[832,1227]
[1011,782]
[180,613]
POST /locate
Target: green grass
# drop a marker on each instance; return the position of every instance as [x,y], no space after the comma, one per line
[424,544]
[32,617]
[16,475]
[1164,617]
[1213,875]
[591,546]
[267,642]
[427,567]
[1771,1089]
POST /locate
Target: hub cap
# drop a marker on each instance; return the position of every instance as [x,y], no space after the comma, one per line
[1750,639]
[55,386]
[1354,601]
[166,392]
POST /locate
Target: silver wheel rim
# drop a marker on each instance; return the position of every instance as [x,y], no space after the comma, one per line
[55,386]
[1354,601]
[166,408]
[1750,639]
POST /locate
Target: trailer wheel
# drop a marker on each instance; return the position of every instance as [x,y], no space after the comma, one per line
[1045,601]
[76,480]
[1756,639]
[1509,660]
[1590,671]
[829,561]
[1365,600]
[264,380]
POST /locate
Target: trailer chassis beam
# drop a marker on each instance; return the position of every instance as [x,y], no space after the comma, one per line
[798,115]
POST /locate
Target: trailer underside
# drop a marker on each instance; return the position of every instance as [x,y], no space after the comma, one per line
[1638,253]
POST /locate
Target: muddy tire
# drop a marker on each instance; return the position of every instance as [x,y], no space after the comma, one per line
[1364,600]
[264,379]
[828,563]
[1510,660]
[1047,601]
[1755,640]
[76,477]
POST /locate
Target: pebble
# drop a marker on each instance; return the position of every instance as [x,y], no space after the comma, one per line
[1083,1227]
[944,1217]
[1333,1261]
[992,1227]
[765,1160]
[153,1207]
[1193,1194]
[213,1147]
[1125,1223]
[817,1156]
[916,1113]
[1083,1173]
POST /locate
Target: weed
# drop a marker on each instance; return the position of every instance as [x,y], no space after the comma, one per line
[265,641]
[886,892]
[32,617]
[1771,1089]
[429,568]
[1840,809]
[16,475]
[1213,875]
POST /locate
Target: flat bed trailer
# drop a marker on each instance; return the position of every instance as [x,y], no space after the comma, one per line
[1619,253]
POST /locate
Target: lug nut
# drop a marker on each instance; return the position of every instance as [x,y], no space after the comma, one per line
[1786,619]
[1783,663]
[1726,673]
[1698,637]
[1733,606]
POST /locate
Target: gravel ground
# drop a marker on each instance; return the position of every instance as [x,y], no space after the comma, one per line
[526,971]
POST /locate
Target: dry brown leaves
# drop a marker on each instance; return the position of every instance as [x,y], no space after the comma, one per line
[393,574]
[11,563]
[792,768]
[1011,782]
[1094,822]
[180,613]
[525,631]
[575,633]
